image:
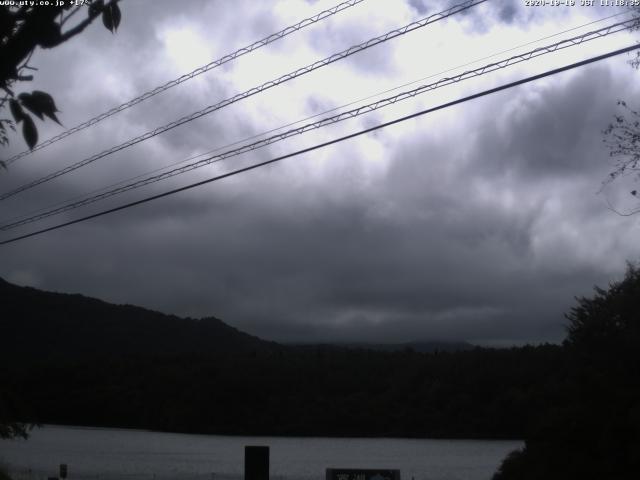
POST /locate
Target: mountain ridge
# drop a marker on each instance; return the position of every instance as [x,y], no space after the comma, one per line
[72,360]
[24,308]
[49,323]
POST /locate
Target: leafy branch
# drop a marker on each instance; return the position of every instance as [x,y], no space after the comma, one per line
[22,30]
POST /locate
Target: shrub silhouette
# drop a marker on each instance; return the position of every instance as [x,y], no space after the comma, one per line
[593,431]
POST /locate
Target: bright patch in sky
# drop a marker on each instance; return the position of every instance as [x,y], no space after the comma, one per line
[186,49]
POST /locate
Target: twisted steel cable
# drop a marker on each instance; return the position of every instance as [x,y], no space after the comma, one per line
[325,144]
[253,91]
[491,67]
[188,76]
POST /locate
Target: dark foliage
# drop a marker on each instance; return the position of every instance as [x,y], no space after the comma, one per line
[622,137]
[476,394]
[12,409]
[4,475]
[25,27]
[594,430]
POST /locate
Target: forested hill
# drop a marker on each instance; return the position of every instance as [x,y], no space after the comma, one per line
[56,324]
[576,404]
[69,359]
[420,347]
[39,324]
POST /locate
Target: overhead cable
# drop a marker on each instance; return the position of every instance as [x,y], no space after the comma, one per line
[290,76]
[513,60]
[188,76]
[330,142]
[315,115]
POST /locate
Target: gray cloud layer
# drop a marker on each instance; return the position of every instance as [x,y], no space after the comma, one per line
[480,223]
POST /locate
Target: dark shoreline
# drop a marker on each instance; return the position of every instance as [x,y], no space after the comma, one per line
[302,436]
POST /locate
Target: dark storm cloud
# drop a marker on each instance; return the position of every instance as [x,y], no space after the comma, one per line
[507,12]
[481,224]
[410,258]
[347,32]
[419,6]
[481,19]
[551,131]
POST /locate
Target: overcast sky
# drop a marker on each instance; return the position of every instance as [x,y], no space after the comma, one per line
[480,222]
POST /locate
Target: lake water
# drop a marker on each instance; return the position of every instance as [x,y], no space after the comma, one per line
[113,454]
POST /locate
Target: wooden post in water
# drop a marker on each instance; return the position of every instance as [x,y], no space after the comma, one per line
[256,463]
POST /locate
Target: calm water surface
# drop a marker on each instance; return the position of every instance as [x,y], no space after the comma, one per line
[111,454]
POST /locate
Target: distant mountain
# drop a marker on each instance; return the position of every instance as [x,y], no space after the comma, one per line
[44,324]
[73,360]
[425,346]
[418,347]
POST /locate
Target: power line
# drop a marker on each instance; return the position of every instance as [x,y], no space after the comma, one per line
[290,124]
[337,118]
[330,142]
[265,86]
[513,60]
[188,76]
